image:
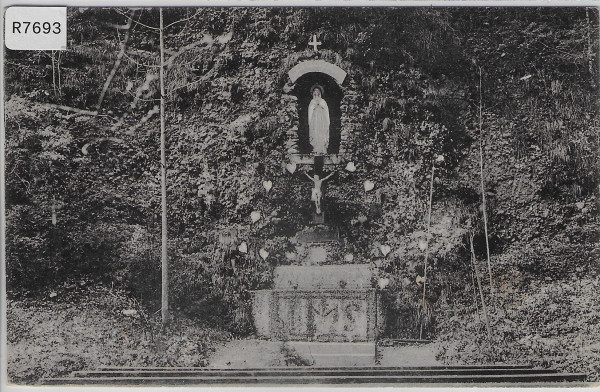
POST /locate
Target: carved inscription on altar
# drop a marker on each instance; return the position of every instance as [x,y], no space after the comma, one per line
[324,315]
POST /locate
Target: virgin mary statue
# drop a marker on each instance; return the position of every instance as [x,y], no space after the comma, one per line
[318,121]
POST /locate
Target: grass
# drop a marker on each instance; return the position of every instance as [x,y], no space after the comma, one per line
[97,326]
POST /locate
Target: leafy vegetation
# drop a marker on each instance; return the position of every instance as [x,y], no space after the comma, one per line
[83,326]
[83,194]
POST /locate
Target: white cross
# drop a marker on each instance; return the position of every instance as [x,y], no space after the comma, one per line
[314,43]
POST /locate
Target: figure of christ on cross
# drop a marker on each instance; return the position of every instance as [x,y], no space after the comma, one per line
[317,194]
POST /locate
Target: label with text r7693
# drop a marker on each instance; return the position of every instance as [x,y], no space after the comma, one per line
[35,28]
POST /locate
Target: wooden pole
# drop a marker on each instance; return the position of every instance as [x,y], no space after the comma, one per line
[163,183]
[590,52]
[427,248]
[485,313]
[483,201]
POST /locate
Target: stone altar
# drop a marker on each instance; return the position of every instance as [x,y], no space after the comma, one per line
[323,309]
[333,303]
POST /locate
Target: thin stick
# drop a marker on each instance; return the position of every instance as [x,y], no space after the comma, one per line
[427,249]
[70,109]
[474,288]
[53,74]
[58,72]
[485,223]
[589,42]
[475,295]
[485,313]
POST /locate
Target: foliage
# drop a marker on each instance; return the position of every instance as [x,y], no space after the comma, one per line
[546,324]
[82,326]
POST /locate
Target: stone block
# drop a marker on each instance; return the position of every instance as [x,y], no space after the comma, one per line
[324,315]
[343,276]
[261,305]
[318,219]
[318,236]
[317,254]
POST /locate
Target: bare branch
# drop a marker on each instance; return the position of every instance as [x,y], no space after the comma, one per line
[113,71]
[137,22]
[70,109]
[184,49]
[139,63]
[182,20]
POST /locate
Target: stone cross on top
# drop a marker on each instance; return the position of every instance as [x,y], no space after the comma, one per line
[315,44]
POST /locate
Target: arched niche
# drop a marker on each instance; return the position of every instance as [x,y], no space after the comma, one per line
[320,66]
[333,95]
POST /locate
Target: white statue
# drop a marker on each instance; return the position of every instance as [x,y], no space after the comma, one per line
[317,194]
[318,121]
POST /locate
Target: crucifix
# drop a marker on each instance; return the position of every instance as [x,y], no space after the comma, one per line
[315,44]
[316,193]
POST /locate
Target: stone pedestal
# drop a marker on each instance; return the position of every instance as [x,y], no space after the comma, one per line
[325,310]
[323,277]
[318,219]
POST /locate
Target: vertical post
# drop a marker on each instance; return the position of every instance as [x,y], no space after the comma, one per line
[53,74]
[485,313]
[427,249]
[589,42]
[483,202]
[163,183]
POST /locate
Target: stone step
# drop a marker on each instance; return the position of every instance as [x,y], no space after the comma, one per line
[401,342]
[291,371]
[323,368]
[534,379]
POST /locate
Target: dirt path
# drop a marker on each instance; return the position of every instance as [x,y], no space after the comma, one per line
[247,353]
[263,353]
[413,355]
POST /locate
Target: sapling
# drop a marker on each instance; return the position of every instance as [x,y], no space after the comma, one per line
[483,202]
[163,181]
[484,308]
[440,159]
